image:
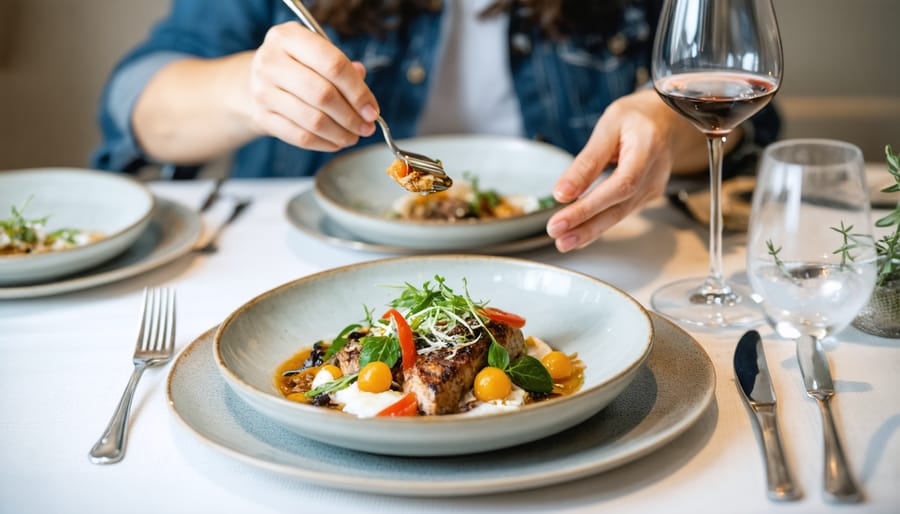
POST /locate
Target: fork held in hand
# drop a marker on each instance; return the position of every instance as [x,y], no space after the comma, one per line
[415,161]
[155,345]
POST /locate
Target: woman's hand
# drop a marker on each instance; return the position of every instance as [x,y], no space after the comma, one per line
[307,93]
[643,138]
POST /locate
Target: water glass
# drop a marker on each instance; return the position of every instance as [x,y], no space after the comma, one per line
[810,253]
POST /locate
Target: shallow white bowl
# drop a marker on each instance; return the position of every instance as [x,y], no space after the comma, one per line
[610,331]
[354,190]
[116,205]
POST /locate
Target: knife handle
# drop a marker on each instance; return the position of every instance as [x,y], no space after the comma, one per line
[839,484]
[780,483]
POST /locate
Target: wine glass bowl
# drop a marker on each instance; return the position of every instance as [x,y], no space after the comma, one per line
[716,63]
[810,251]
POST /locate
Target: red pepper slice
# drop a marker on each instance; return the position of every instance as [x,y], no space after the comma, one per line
[405,335]
[508,318]
[408,405]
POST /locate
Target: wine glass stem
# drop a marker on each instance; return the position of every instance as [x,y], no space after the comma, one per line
[715,283]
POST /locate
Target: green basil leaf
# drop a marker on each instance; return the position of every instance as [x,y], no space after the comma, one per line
[498,357]
[333,386]
[529,374]
[381,348]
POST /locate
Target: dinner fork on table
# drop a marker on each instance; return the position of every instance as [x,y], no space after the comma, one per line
[155,345]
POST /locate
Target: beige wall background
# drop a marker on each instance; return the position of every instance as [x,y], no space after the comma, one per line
[842,78]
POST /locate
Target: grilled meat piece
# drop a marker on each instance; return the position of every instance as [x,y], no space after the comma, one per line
[441,378]
[348,357]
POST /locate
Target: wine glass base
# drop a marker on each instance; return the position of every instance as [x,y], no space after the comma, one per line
[693,302]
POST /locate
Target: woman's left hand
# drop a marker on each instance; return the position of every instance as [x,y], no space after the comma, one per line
[637,134]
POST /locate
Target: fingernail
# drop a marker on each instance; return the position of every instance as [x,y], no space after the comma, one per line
[564,192]
[368,113]
[567,243]
[366,129]
[557,228]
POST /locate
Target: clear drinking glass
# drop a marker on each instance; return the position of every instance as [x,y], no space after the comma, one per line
[810,252]
[716,63]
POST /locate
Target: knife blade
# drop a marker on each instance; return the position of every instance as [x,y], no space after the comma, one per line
[839,483]
[212,196]
[755,384]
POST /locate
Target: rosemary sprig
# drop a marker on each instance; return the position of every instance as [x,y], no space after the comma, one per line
[848,243]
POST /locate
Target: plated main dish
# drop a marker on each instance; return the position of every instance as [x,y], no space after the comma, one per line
[582,317]
[432,352]
[22,236]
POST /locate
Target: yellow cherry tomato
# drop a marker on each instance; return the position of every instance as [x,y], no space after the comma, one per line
[335,371]
[558,365]
[375,377]
[492,384]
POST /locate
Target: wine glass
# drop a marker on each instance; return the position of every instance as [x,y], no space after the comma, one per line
[810,250]
[716,63]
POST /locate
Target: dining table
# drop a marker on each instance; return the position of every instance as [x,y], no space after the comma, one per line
[65,357]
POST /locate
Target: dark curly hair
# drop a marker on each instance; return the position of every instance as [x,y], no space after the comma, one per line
[556,18]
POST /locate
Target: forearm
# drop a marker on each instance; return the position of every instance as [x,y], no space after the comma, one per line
[195,110]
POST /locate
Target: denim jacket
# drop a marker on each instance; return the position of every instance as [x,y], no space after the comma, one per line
[563,86]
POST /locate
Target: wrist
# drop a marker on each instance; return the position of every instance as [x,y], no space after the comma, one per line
[234,84]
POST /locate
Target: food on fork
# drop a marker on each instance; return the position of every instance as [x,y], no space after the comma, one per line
[413,180]
[433,352]
[22,236]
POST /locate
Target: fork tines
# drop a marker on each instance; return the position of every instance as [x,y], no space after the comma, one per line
[157,330]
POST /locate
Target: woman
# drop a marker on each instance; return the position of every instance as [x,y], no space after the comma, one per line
[244,76]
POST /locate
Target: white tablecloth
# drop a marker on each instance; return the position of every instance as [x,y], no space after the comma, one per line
[65,359]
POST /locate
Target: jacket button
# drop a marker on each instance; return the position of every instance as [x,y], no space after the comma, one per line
[415,74]
[617,44]
[520,43]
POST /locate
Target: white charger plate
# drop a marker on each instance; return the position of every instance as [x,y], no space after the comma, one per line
[670,393]
[171,233]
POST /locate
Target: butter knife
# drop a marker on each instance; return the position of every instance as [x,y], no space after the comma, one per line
[839,484]
[755,384]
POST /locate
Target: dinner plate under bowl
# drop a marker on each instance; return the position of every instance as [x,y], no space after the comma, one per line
[114,205]
[354,190]
[610,331]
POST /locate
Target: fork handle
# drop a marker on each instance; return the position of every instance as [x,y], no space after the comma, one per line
[110,448]
[839,484]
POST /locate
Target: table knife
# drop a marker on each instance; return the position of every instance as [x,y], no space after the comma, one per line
[212,196]
[839,484]
[755,384]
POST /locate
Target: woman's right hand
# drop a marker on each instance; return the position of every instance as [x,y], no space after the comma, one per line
[307,93]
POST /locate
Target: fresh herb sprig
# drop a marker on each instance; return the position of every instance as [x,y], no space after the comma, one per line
[847,245]
[888,247]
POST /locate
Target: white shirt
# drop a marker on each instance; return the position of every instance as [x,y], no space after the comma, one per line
[472,89]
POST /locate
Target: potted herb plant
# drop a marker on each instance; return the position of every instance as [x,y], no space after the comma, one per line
[881,316]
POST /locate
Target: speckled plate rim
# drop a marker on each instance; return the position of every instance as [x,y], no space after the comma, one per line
[696,394]
[174,245]
[306,215]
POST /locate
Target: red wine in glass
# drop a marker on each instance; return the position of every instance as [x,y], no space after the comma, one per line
[716,101]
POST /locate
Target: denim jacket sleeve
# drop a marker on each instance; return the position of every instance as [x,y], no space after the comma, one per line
[193,28]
